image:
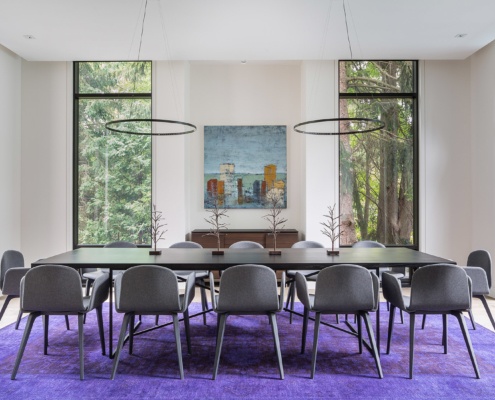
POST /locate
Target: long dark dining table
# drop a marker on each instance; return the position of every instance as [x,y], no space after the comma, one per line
[203,259]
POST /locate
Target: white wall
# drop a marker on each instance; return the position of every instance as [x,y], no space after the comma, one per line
[46,159]
[483,150]
[250,94]
[10,150]
[445,162]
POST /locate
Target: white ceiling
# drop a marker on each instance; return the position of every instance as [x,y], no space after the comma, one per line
[233,30]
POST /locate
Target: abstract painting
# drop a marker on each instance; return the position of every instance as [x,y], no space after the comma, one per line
[245,166]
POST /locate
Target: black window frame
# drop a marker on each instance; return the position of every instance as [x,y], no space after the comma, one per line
[415,130]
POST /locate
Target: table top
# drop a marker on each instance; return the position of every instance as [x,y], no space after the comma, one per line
[194,259]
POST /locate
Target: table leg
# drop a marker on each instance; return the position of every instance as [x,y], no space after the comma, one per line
[110,316]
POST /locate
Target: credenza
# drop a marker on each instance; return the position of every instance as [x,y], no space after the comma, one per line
[285,239]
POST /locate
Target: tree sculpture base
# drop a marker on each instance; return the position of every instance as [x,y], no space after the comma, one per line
[155,252]
[333,252]
[217,252]
[275,252]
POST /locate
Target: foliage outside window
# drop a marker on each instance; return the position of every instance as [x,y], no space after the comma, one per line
[112,172]
[378,182]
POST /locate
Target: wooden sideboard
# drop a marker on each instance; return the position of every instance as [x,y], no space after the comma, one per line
[285,239]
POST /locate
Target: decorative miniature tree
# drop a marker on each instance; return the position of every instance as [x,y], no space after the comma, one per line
[156,229]
[217,213]
[275,220]
[332,228]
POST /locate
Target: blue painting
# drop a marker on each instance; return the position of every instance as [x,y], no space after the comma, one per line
[245,166]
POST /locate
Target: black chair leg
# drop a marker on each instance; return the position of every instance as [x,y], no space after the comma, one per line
[204,301]
[99,316]
[360,334]
[469,345]
[19,317]
[292,292]
[304,330]
[315,344]
[412,318]
[471,317]
[46,320]
[131,333]
[67,322]
[487,309]
[80,329]
[276,340]
[222,319]
[177,345]
[22,347]
[188,334]
[374,347]
[4,307]
[391,319]
[123,330]
[445,329]
[424,322]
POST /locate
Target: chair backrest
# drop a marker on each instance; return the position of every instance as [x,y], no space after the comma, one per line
[186,245]
[307,244]
[52,288]
[346,288]
[10,259]
[248,288]
[147,289]
[482,259]
[246,244]
[367,244]
[120,245]
[440,287]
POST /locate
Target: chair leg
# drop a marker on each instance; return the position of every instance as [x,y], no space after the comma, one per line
[177,345]
[222,319]
[188,334]
[80,329]
[131,333]
[25,337]
[46,320]
[469,345]
[471,317]
[204,300]
[4,307]
[99,316]
[315,344]
[276,340]
[123,330]
[360,333]
[67,322]
[487,309]
[412,318]
[445,329]
[304,330]
[424,322]
[156,319]
[88,286]
[401,317]
[19,317]
[292,291]
[391,319]
[374,347]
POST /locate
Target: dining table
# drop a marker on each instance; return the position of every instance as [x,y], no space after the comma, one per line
[204,259]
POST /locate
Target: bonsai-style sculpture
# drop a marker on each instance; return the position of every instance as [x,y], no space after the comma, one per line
[217,213]
[332,228]
[156,230]
[275,220]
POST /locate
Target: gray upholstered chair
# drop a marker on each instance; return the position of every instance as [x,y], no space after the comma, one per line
[56,290]
[11,272]
[291,274]
[246,244]
[247,289]
[90,274]
[443,289]
[151,290]
[479,269]
[200,275]
[340,289]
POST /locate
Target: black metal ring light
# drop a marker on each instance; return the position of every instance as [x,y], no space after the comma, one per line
[109,124]
[380,125]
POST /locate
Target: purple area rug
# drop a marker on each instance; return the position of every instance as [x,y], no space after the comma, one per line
[248,367]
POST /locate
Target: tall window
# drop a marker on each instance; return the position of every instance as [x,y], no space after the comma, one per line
[112,172]
[378,170]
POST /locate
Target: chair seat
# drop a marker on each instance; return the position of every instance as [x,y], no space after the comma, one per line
[199,274]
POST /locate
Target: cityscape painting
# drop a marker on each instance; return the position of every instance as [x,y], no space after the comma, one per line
[245,166]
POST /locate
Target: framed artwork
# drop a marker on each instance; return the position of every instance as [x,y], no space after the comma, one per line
[245,166]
